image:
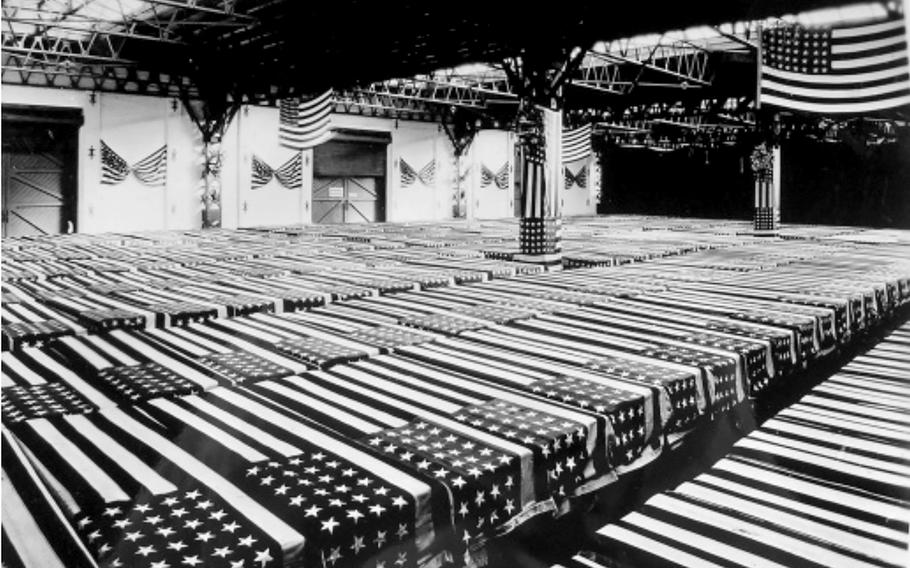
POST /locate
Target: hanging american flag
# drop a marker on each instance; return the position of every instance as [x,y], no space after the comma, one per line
[262,173]
[427,174]
[576,144]
[290,173]
[151,170]
[303,125]
[835,70]
[533,180]
[114,169]
[580,179]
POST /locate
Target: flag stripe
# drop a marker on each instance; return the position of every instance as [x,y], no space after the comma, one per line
[576,144]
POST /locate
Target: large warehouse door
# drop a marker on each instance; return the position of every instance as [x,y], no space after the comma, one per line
[39,171]
[349,179]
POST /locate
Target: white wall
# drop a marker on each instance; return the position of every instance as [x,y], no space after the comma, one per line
[576,200]
[134,126]
[492,149]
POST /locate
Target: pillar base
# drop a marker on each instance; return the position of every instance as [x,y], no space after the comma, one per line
[540,235]
[550,262]
[766,220]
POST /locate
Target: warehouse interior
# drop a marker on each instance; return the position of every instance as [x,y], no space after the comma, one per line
[455,284]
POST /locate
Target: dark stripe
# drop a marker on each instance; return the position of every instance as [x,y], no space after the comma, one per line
[808,83]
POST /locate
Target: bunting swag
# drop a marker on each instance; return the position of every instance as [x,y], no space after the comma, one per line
[500,178]
[576,144]
[580,179]
[303,125]
[151,170]
[426,175]
[289,174]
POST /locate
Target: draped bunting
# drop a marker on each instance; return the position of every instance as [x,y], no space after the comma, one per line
[151,170]
[426,175]
[580,179]
[500,178]
[289,174]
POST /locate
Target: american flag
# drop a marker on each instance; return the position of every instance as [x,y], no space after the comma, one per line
[500,177]
[576,144]
[262,173]
[305,124]
[533,179]
[408,173]
[114,169]
[580,179]
[152,170]
[836,70]
[290,173]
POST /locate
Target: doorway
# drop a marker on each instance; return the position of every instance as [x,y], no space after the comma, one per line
[40,155]
[349,178]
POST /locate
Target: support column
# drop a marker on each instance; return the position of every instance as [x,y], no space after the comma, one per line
[766,171]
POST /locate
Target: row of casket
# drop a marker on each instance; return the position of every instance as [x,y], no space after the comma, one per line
[79,284]
[83,284]
[406,428]
[823,483]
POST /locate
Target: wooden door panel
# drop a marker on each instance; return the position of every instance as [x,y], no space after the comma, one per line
[37,180]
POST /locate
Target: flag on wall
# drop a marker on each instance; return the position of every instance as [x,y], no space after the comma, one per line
[426,175]
[306,124]
[834,70]
[500,177]
[151,170]
[580,179]
[289,174]
[576,144]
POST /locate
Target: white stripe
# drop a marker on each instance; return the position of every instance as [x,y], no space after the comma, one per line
[25,535]
[139,471]
[174,341]
[813,529]
[870,29]
[326,408]
[869,61]
[827,78]
[884,104]
[840,419]
[799,504]
[232,421]
[834,94]
[287,538]
[755,532]
[867,396]
[166,361]
[104,486]
[198,339]
[871,413]
[688,538]
[110,350]
[230,442]
[13,363]
[866,45]
[776,446]
[401,393]
[838,439]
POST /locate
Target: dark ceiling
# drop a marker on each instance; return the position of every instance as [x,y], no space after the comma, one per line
[287,46]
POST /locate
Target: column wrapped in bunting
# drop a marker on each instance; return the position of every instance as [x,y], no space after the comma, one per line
[765,169]
[539,228]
